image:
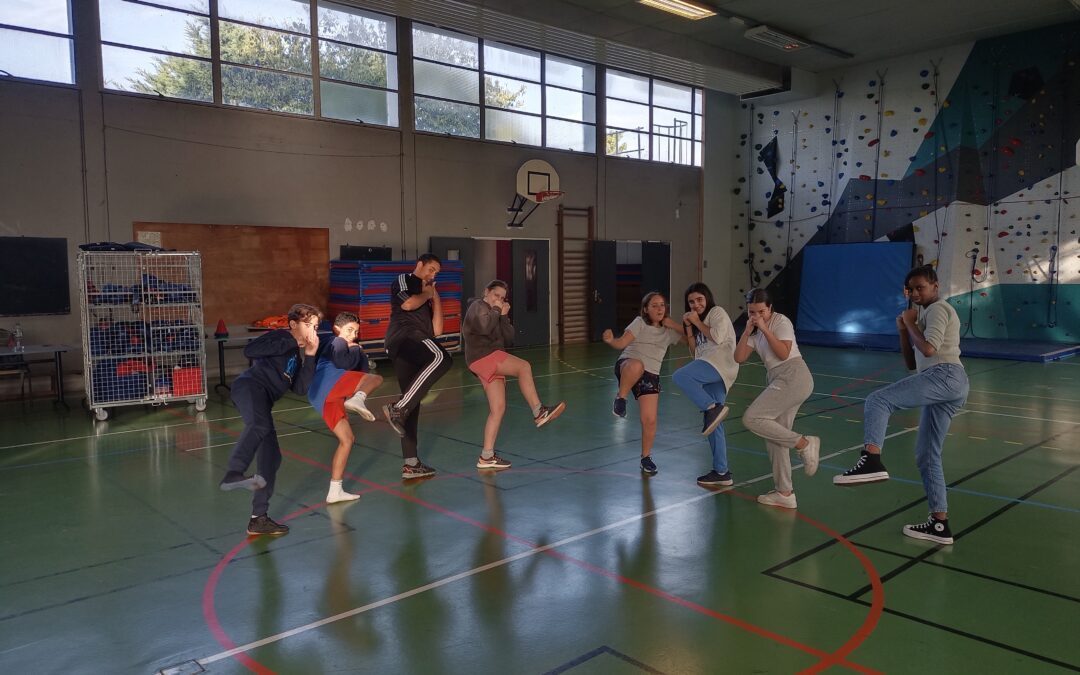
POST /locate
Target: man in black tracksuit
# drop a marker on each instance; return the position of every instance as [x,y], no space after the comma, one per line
[415,320]
[283,360]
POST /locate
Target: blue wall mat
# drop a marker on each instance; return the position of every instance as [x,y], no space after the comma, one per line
[853,288]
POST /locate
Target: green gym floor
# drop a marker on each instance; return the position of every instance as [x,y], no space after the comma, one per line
[120,555]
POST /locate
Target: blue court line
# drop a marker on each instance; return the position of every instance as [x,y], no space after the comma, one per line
[976,493]
[989,495]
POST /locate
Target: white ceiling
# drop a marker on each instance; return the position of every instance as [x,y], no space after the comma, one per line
[868,29]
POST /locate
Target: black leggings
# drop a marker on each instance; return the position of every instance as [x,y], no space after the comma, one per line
[418,364]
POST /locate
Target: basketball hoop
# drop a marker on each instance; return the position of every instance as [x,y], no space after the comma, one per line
[537,182]
[548,196]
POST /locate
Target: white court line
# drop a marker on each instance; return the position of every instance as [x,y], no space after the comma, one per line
[965,410]
[274,412]
[128,452]
[537,377]
[498,563]
[978,391]
[135,431]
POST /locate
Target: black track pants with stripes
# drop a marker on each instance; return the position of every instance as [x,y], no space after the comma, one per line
[418,365]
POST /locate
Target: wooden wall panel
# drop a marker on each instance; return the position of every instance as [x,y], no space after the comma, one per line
[250,271]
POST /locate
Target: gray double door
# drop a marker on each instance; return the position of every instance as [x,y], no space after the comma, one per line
[655,276]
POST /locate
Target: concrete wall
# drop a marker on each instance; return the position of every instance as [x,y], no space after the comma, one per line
[85,165]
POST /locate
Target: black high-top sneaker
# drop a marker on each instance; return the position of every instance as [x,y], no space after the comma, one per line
[933,530]
[869,469]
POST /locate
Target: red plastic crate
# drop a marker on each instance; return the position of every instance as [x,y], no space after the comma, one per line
[187,381]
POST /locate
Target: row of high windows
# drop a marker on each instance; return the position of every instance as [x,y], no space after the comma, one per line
[331,60]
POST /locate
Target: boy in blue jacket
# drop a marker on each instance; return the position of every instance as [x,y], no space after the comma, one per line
[282,360]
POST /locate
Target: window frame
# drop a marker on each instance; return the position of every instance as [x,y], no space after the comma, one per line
[483,106]
[72,59]
[695,139]
[218,62]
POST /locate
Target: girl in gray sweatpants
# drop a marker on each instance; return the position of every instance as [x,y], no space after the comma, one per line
[772,413]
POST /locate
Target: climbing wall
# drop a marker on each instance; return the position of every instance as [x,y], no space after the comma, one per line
[969,151]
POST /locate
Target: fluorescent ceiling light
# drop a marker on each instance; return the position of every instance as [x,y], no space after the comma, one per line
[687,10]
[775,38]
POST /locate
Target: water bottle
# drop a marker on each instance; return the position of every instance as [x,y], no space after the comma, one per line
[18,337]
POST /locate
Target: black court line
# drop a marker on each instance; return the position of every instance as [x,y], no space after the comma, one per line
[933,624]
[164,577]
[867,525]
[973,573]
[103,563]
[603,649]
[855,597]
[173,522]
[966,531]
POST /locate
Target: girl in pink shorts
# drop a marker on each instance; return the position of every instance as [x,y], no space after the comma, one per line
[487,331]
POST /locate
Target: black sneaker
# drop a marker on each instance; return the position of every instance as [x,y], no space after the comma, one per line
[933,530]
[419,471]
[395,418]
[619,407]
[868,469]
[713,417]
[265,525]
[235,480]
[648,466]
[714,478]
[547,414]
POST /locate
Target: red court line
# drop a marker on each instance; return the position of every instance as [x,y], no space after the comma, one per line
[877,605]
[837,657]
[210,612]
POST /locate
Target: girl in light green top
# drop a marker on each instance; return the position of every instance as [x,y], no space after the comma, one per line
[930,343]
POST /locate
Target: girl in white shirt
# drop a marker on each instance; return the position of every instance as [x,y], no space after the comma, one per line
[772,413]
[644,344]
[708,378]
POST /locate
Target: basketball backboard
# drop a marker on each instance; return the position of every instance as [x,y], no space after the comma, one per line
[536,176]
[537,182]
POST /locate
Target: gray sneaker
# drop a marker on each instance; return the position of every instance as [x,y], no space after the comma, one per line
[547,414]
[395,418]
[234,480]
[419,471]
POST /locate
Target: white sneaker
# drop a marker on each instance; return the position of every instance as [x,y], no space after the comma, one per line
[810,454]
[355,403]
[774,498]
[336,494]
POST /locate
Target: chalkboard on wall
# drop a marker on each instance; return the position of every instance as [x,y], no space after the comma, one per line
[34,276]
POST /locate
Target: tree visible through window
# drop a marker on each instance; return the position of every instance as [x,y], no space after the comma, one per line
[453,108]
[183,78]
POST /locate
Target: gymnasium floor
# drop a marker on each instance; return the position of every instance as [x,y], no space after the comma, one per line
[120,555]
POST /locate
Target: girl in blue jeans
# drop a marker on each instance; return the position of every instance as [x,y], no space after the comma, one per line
[930,343]
[708,378]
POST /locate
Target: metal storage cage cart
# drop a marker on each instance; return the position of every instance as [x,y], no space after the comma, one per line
[142,328]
